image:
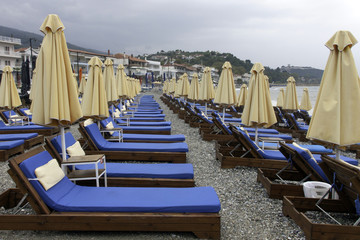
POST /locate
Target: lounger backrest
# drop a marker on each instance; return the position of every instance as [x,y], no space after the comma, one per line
[220,123]
[2,124]
[246,142]
[95,135]
[7,113]
[69,141]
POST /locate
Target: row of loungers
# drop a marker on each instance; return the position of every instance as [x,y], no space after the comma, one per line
[70,207]
[283,170]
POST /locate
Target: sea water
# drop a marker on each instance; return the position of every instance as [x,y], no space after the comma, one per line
[313,91]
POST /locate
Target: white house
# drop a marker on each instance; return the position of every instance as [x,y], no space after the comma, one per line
[8,55]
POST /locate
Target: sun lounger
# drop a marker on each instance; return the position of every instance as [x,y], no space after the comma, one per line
[165,152]
[30,139]
[10,148]
[25,112]
[131,175]
[346,179]
[11,117]
[42,130]
[69,207]
[143,124]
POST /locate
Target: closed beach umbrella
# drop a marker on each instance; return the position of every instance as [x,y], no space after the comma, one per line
[109,79]
[305,103]
[33,86]
[9,96]
[337,111]
[206,89]
[94,102]
[258,110]
[82,84]
[280,98]
[55,98]
[121,80]
[184,86]
[194,88]
[178,87]
[267,81]
[225,93]
[172,86]
[131,88]
[242,96]
[166,86]
[290,100]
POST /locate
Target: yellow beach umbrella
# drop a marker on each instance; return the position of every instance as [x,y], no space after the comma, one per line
[267,81]
[225,93]
[184,87]
[166,87]
[194,88]
[280,98]
[258,110]
[121,80]
[31,97]
[9,96]
[55,97]
[82,84]
[138,87]
[109,79]
[172,86]
[178,87]
[337,111]
[206,89]
[242,96]
[305,100]
[131,88]
[290,100]
[94,102]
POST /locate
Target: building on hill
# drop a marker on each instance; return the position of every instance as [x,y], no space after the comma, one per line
[8,55]
[176,70]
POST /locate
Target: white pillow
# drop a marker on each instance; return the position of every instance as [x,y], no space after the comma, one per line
[110,126]
[123,108]
[117,113]
[304,149]
[49,174]
[13,115]
[88,122]
[75,150]
[27,112]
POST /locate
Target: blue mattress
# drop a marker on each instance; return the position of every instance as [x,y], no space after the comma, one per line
[146,115]
[283,136]
[262,130]
[272,154]
[146,170]
[104,145]
[10,144]
[312,148]
[146,128]
[149,119]
[65,196]
[154,137]
[17,136]
[145,123]
[25,127]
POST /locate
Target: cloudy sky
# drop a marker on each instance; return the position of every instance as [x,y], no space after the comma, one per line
[273,32]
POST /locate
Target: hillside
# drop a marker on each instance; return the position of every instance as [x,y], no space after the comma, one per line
[25,39]
[216,60]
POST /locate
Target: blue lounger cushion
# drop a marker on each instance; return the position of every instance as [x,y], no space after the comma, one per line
[232,120]
[10,144]
[146,128]
[104,145]
[145,115]
[262,130]
[65,196]
[344,158]
[17,136]
[146,170]
[145,123]
[149,119]
[154,137]
[283,136]
[312,148]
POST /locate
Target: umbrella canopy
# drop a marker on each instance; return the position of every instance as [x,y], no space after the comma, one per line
[131,87]
[166,87]
[305,100]
[242,96]
[31,96]
[267,81]
[25,78]
[337,111]
[184,86]
[225,93]
[55,97]
[194,88]
[206,90]
[9,96]
[82,84]
[172,85]
[290,100]
[177,87]
[258,110]
[94,102]
[109,79]
[280,98]
[121,81]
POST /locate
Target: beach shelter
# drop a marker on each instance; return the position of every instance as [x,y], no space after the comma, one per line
[290,98]
[94,101]
[9,96]
[82,84]
[166,86]
[305,103]
[337,111]
[258,110]
[225,93]
[55,98]
[184,87]
[172,86]
[110,83]
[280,98]
[177,87]
[121,81]
[206,88]
[242,96]
[267,81]
[194,88]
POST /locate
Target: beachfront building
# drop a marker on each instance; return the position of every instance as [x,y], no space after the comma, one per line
[176,70]
[154,67]
[8,55]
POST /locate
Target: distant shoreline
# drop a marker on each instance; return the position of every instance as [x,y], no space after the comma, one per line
[297,84]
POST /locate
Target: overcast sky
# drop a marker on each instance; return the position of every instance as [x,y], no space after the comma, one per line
[273,32]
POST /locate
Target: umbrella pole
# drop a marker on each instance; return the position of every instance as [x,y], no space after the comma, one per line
[224,114]
[205,108]
[63,146]
[337,152]
[256,136]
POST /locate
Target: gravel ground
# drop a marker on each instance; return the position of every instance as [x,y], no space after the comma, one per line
[246,211]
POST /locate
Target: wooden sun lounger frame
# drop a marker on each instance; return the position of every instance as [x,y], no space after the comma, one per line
[174,157]
[6,154]
[203,225]
[251,157]
[277,190]
[295,207]
[127,181]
